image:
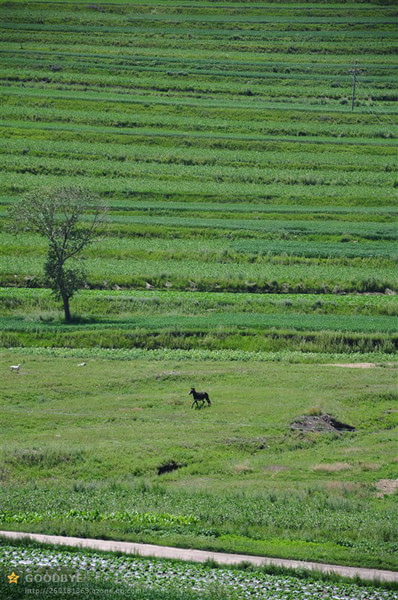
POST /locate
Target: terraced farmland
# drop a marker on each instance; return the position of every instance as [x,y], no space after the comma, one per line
[252,219]
[221,136]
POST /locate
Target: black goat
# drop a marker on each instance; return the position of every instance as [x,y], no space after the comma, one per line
[199,397]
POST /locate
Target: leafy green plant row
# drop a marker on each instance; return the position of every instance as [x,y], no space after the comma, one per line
[118,99]
[132,517]
[320,14]
[302,42]
[202,30]
[268,345]
[222,321]
[274,49]
[191,69]
[193,275]
[333,183]
[383,135]
[201,354]
[274,126]
[243,209]
[182,59]
[365,230]
[32,132]
[121,302]
[108,185]
[342,161]
[199,84]
[368,255]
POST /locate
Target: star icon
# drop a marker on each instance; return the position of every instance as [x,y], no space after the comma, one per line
[13,578]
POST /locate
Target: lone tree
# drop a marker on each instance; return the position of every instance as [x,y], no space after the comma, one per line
[70,219]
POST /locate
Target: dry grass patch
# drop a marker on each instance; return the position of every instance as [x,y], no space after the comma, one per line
[242,469]
[387,486]
[332,467]
[363,365]
[342,486]
[370,466]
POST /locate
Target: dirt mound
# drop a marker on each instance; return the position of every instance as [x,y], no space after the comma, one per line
[321,423]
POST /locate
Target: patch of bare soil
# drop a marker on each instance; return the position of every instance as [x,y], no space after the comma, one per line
[332,467]
[168,374]
[363,365]
[387,486]
[320,423]
[340,486]
[242,469]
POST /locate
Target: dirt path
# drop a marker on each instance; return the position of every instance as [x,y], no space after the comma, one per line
[363,365]
[151,550]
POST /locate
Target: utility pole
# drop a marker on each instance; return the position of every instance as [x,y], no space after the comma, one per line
[354,72]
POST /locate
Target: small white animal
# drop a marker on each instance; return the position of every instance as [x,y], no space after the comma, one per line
[15,368]
[81,364]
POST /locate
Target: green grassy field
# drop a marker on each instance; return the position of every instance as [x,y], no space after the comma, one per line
[250,243]
[102,438]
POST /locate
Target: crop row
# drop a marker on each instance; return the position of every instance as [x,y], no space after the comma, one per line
[285,31]
[221,321]
[234,209]
[141,302]
[250,177]
[191,274]
[218,250]
[178,82]
[282,126]
[188,68]
[234,138]
[290,51]
[220,113]
[292,511]
[365,230]
[141,56]
[155,578]
[209,16]
[238,174]
[155,520]
[224,142]
[24,178]
[299,43]
[277,62]
[201,354]
[311,157]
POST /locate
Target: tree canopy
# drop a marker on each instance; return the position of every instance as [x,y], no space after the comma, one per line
[70,218]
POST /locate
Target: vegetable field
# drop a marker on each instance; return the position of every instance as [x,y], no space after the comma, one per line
[141,579]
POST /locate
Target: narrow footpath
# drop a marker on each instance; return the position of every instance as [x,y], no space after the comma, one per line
[222,558]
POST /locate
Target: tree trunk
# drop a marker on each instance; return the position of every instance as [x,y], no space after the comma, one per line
[68,317]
